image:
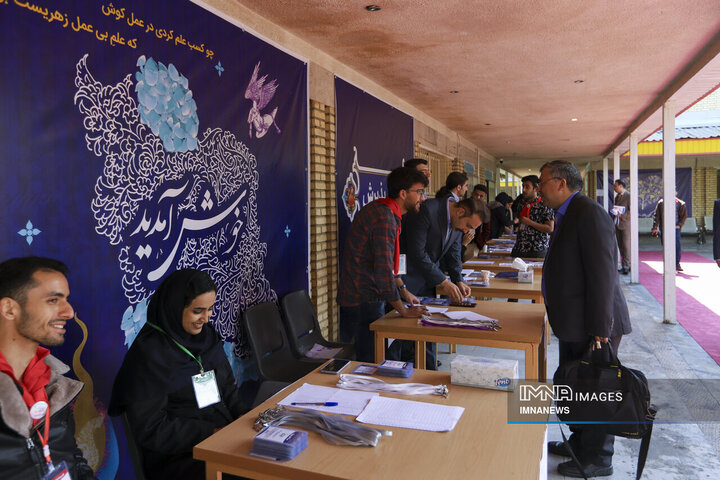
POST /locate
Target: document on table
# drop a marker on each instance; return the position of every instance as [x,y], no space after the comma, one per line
[395,412]
[320,351]
[466,315]
[467,271]
[349,402]
[480,262]
[432,309]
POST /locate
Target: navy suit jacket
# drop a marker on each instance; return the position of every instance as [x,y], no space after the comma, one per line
[716,230]
[423,241]
[582,293]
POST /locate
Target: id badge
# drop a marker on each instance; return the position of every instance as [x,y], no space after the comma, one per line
[206,389]
[402,265]
[58,472]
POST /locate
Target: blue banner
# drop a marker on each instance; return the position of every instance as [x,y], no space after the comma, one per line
[137,138]
[372,139]
[650,188]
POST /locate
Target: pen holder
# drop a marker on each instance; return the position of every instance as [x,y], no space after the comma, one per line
[526,277]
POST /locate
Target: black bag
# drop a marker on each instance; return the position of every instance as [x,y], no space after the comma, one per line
[604,392]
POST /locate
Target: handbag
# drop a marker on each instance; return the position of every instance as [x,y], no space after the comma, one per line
[597,389]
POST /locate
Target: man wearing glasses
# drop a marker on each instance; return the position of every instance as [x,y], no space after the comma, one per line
[370,271]
[582,296]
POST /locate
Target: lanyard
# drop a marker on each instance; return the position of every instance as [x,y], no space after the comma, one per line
[36,413]
[197,359]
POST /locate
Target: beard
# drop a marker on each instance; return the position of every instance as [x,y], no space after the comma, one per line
[24,328]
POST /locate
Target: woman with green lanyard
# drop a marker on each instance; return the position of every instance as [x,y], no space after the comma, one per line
[175,383]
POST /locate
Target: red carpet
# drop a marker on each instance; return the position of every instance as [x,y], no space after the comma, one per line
[698,296]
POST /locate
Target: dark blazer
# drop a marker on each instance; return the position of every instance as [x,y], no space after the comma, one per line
[623,201]
[716,230]
[423,241]
[582,293]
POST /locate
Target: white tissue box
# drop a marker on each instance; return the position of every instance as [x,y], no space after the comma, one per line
[493,373]
[526,277]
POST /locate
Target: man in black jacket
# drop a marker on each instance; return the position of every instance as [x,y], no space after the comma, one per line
[584,302]
[34,310]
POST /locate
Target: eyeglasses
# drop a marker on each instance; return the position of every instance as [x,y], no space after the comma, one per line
[545,181]
[419,191]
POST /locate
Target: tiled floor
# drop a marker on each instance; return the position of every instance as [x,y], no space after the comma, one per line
[686,450]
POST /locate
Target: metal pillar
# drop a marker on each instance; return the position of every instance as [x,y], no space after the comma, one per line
[634,239]
[669,261]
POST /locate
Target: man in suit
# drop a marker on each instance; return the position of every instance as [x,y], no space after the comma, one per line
[582,294]
[622,223]
[716,232]
[433,236]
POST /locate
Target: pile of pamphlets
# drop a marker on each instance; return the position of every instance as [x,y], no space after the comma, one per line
[393,368]
[279,443]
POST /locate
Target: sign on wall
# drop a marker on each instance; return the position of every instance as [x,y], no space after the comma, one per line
[650,188]
[372,139]
[137,138]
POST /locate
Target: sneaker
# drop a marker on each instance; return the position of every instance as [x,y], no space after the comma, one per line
[678,267]
[570,469]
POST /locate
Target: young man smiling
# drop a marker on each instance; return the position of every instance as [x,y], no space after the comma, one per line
[35,397]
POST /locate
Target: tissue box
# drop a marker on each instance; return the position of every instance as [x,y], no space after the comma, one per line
[526,277]
[494,373]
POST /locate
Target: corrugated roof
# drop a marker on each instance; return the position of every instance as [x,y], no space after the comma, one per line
[685,132]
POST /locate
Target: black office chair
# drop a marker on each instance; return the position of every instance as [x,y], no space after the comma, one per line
[136,456]
[267,389]
[303,328]
[270,347]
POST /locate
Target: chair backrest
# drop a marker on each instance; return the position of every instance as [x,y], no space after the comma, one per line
[690,226]
[267,338]
[301,321]
[136,456]
[708,223]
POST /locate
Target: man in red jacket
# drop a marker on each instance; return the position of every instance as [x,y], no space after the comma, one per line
[37,429]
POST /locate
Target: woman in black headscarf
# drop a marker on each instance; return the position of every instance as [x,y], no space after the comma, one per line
[170,360]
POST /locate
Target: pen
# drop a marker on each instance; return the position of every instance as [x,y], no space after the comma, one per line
[321,404]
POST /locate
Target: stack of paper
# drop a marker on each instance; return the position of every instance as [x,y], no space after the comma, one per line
[394,412]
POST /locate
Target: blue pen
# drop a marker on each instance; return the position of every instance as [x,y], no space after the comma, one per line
[320,404]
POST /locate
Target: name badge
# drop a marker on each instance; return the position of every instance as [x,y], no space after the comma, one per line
[206,389]
[58,472]
[402,264]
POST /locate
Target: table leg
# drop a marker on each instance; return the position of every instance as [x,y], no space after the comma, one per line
[420,354]
[531,362]
[212,472]
[379,347]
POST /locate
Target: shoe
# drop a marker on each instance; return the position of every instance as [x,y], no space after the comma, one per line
[570,469]
[558,448]
[624,271]
[678,268]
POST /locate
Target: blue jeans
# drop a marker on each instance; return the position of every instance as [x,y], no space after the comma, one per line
[355,328]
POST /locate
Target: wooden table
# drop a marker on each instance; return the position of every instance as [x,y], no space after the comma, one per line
[482,444]
[496,265]
[523,328]
[511,288]
[501,241]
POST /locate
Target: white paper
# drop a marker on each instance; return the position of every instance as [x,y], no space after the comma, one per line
[432,309]
[480,262]
[319,351]
[466,315]
[350,402]
[467,271]
[395,412]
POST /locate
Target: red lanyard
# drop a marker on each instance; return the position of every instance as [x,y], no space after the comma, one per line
[44,439]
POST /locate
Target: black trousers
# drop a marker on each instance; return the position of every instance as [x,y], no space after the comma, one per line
[589,442]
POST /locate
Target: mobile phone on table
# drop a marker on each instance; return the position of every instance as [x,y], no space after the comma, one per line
[335,366]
